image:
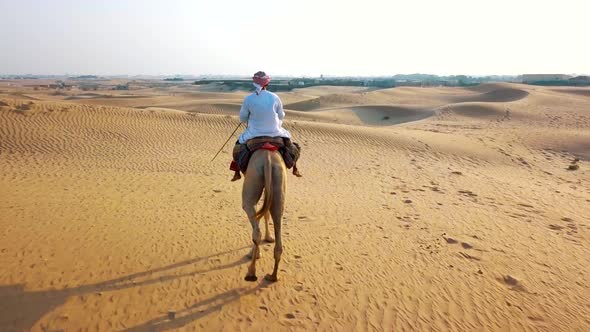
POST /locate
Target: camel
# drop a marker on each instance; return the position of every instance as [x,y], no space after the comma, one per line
[266,170]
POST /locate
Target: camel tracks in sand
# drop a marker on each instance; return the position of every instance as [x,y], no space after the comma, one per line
[126,183]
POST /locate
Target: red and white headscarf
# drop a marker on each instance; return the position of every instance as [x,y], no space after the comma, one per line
[260,81]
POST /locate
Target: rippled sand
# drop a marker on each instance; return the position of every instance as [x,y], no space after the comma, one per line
[419,209]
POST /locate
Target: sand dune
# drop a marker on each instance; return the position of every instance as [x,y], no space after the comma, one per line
[478,110]
[372,115]
[323,90]
[410,95]
[326,101]
[305,105]
[101,96]
[496,96]
[574,91]
[210,108]
[113,215]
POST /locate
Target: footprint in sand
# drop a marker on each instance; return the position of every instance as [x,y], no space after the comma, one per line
[450,240]
[466,245]
[573,167]
[467,193]
[522,161]
[555,227]
[468,256]
[512,283]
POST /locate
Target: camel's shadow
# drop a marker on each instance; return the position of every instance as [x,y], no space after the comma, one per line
[21,309]
[197,310]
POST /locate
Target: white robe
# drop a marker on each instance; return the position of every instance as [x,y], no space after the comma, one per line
[264,114]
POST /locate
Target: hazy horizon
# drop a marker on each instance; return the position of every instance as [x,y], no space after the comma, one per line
[247,77]
[333,38]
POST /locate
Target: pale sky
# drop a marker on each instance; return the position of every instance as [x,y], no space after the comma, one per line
[303,37]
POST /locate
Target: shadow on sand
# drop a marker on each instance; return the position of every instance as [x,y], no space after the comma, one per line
[21,309]
[197,310]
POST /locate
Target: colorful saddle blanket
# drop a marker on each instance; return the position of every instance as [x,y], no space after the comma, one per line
[288,150]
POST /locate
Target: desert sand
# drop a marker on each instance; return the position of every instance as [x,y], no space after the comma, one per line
[427,209]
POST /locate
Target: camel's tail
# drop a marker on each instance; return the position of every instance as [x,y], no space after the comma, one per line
[267,187]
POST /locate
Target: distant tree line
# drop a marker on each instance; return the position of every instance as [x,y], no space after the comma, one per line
[574,81]
[84,77]
[378,82]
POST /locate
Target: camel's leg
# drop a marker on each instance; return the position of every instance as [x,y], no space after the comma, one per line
[267,237]
[253,252]
[251,193]
[256,239]
[276,211]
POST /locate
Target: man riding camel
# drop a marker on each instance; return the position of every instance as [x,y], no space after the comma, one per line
[263,112]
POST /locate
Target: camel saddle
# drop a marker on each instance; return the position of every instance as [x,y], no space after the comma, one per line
[289,151]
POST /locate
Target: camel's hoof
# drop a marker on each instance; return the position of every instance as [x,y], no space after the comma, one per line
[251,278]
[271,278]
[269,240]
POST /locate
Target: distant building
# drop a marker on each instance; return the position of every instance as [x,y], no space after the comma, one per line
[88,86]
[85,77]
[56,85]
[580,79]
[121,87]
[529,78]
[296,83]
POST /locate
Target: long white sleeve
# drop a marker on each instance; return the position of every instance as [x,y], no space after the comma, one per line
[244,111]
[279,109]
